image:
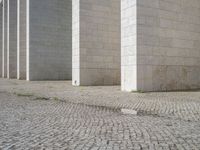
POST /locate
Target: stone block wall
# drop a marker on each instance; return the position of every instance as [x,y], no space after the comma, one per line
[1,39]
[4,45]
[167,45]
[49,38]
[160,39]
[21,45]
[12,39]
[96,42]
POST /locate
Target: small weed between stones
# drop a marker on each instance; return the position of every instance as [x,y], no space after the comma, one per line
[139,91]
[42,98]
[56,98]
[24,94]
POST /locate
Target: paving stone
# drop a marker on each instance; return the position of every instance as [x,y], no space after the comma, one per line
[90,118]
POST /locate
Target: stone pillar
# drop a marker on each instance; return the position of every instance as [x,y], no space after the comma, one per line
[21,42]
[96,42]
[1,37]
[49,39]
[160,50]
[128,45]
[4,45]
[12,39]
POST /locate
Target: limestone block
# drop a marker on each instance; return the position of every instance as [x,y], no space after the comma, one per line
[129,45]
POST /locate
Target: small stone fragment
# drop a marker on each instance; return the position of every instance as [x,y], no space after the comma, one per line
[129,111]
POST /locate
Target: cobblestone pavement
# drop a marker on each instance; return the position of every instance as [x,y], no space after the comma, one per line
[55,115]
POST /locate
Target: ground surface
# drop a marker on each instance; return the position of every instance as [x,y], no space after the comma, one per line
[55,115]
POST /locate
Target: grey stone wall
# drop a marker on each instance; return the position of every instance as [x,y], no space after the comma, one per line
[50,40]
[4,46]
[167,45]
[1,38]
[96,42]
[12,39]
[21,74]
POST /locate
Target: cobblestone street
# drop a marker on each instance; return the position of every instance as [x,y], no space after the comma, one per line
[55,115]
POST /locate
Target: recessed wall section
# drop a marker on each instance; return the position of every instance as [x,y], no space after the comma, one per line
[22,35]
[50,40]
[96,42]
[12,39]
[4,46]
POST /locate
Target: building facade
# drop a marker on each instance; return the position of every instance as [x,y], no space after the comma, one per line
[160,45]
[144,45]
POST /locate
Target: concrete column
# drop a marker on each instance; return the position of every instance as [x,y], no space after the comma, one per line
[4,45]
[160,45]
[21,42]
[12,39]
[128,45]
[96,42]
[1,37]
[49,39]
